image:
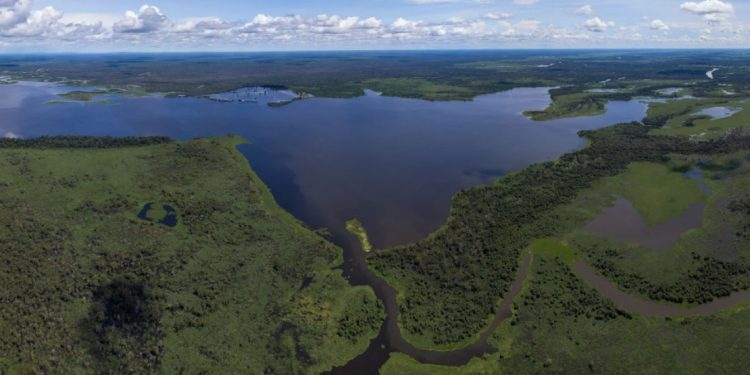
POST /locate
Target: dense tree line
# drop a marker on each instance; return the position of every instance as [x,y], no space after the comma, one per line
[82,142]
[741,207]
[452,280]
[556,293]
[711,278]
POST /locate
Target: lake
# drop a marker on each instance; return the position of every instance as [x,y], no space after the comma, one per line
[392,163]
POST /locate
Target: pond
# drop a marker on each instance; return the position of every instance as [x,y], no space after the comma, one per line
[623,223]
[166,215]
[392,163]
[717,112]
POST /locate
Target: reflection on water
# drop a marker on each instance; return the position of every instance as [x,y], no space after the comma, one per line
[718,112]
[262,95]
[624,223]
[697,175]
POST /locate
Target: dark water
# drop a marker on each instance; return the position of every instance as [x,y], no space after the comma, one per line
[650,308]
[624,223]
[392,163]
[169,219]
[698,175]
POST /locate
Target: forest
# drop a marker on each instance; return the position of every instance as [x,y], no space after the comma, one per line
[237,286]
[459,273]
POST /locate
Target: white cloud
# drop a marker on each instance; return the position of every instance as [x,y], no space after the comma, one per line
[525,2]
[711,10]
[148,19]
[22,27]
[585,10]
[107,20]
[596,24]
[496,16]
[13,12]
[430,2]
[659,25]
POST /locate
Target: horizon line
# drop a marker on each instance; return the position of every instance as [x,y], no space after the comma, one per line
[651,49]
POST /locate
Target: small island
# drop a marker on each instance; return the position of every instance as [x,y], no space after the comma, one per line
[356,228]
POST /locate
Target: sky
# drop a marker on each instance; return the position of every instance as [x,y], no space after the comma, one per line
[281,25]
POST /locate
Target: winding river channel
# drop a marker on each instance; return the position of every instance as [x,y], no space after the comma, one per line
[392,163]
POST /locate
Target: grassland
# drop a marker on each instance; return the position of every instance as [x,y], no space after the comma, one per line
[238,286]
[688,123]
[657,192]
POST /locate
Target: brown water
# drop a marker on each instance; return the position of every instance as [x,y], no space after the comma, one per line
[624,223]
[649,308]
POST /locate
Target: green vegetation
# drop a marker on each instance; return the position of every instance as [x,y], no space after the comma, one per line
[571,105]
[561,325]
[436,75]
[689,124]
[552,248]
[458,273]
[356,228]
[399,364]
[238,287]
[658,193]
[419,88]
[83,96]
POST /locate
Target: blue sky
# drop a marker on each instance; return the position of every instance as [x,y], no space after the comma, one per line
[190,25]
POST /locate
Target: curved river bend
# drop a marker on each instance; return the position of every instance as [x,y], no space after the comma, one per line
[392,163]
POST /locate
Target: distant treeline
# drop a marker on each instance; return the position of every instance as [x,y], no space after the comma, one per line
[452,280]
[82,142]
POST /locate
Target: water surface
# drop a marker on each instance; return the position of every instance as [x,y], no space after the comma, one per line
[622,222]
[718,112]
[392,163]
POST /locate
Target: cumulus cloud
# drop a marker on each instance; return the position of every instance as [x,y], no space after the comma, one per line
[148,28]
[18,21]
[585,10]
[711,10]
[597,25]
[13,12]
[525,2]
[148,19]
[658,24]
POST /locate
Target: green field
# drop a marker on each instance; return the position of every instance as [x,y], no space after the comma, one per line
[658,193]
[238,286]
